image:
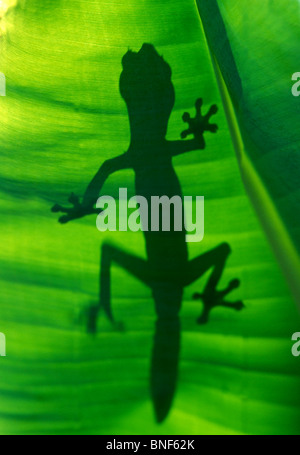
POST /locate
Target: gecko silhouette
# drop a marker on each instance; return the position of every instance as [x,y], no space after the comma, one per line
[146,87]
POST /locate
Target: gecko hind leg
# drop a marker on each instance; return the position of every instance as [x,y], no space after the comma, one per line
[134,265]
[211,297]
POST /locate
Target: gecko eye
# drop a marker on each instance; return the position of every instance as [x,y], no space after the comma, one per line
[128,59]
[146,47]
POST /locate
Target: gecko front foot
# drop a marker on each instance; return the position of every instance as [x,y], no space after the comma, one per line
[213,299]
[200,123]
[78,210]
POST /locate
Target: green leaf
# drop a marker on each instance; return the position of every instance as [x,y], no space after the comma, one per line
[256,52]
[63,116]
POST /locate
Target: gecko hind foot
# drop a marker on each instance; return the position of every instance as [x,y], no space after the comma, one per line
[213,299]
[89,317]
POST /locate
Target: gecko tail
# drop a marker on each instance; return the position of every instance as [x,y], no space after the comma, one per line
[164,366]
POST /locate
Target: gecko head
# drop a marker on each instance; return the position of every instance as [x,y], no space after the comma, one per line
[146,87]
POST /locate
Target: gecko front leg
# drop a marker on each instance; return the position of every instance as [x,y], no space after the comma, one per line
[198,125]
